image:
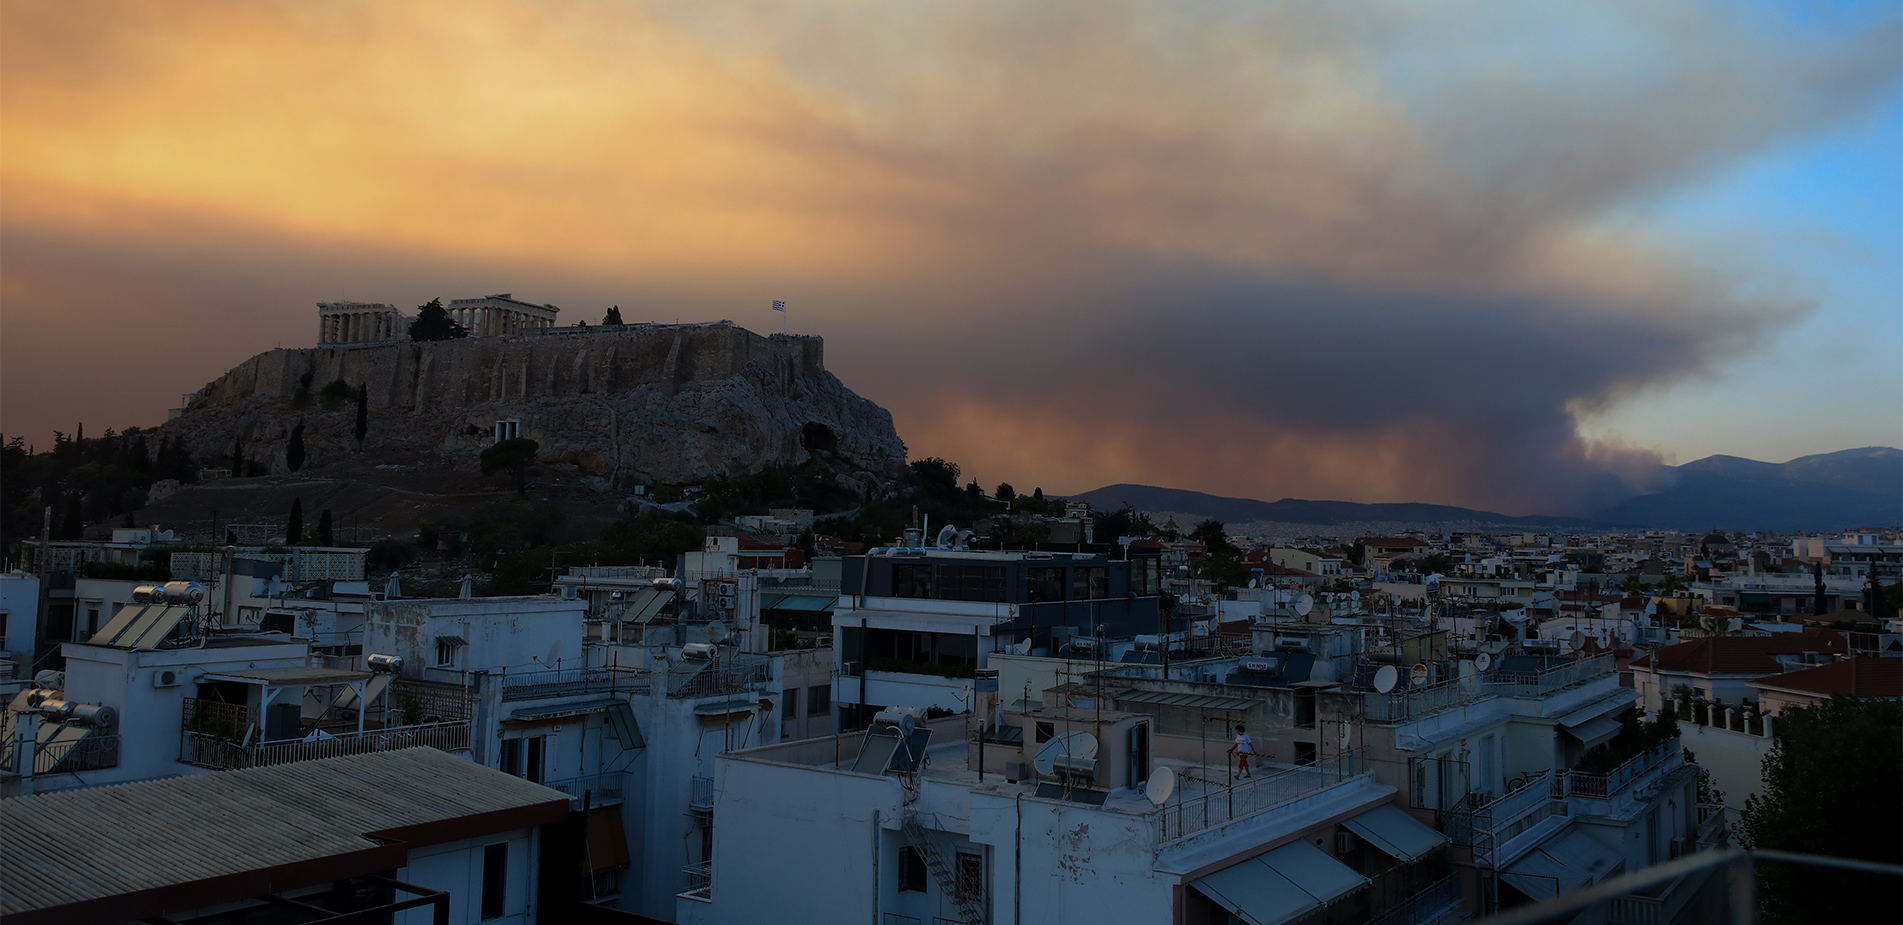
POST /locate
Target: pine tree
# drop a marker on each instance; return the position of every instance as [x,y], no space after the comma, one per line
[294,454]
[433,323]
[323,529]
[363,415]
[294,525]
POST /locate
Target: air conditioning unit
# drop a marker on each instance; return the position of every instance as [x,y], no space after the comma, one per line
[726,591]
[1680,847]
[166,677]
[1344,841]
[1014,771]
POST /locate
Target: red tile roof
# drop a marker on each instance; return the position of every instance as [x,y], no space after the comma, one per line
[1858,677]
[1740,654]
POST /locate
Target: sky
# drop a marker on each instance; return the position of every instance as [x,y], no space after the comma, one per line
[1496,254]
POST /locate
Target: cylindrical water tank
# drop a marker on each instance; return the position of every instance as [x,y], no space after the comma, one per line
[183,592]
[148,594]
[88,714]
[384,664]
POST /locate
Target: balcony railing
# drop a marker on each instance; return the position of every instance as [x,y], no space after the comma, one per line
[1219,805]
[740,676]
[535,685]
[1424,906]
[211,751]
[1540,683]
[700,881]
[1419,702]
[1490,825]
[1609,784]
[92,753]
[702,798]
[594,788]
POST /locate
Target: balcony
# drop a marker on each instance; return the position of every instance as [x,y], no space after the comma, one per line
[702,798]
[591,789]
[536,685]
[1424,906]
[1221,805]
[1491,825]
[1421,702]
[212,751]
[700,882]
[1606,792]
[92,753]
[737,675]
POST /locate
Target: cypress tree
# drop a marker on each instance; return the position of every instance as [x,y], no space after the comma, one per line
[294,525]
[294,454]
[323,528]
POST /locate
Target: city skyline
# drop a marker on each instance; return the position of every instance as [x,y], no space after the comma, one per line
[1499,258]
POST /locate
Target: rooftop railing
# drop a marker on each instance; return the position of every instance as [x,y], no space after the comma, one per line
[92,753]
[1219,805]
[739,675]
[594,789]
[1415,703]
[210,751]
[534,685]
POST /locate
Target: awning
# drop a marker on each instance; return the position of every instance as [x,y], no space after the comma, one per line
[1171,699]
[552,711]
[1561,865]
[722,708]
[1281,886]
[1617,700]
[1391,829]
[455,641]
[803,602]
[1595,732]
[296,676]
[607,841]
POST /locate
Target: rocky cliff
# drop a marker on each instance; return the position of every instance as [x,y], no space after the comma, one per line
[651,403]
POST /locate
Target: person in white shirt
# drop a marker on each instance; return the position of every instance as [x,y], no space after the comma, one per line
[1243,749]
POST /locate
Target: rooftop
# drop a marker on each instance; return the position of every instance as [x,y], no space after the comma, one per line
[1739,654]
[1858,677]
[138,850]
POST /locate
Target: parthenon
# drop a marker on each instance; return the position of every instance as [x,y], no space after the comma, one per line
[379,323]
[500,314]
[360,323]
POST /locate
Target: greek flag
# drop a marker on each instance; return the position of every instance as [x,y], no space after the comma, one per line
[779,306]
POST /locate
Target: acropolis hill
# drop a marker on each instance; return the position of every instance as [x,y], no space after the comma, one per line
[638,402]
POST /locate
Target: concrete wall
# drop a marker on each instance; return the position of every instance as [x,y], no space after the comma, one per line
[1735,759]
[457,868]
[20,602]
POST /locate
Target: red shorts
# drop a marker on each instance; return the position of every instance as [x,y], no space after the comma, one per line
[1242,760]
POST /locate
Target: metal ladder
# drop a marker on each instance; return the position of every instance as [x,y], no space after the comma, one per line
[916,836]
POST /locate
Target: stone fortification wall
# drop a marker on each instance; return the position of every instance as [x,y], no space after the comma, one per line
[666,403]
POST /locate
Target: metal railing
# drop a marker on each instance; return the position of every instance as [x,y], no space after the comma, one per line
[1539,683]
[92,753]
[700,881]
[701,799]
[535,685]
[1424,906]
[593,788]
[735,677]
[1493,824]
[1723,885]
[1415,703]
[1609,784]
[211,751]
[1219,804]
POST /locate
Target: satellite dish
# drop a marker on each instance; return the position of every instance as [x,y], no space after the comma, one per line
[1304,604]
[1418,674]
[1483,661]
[555,651]
[1162,783]
[947,535]
[1578,639]
[1386,678]
[717,632]
[1023,647]
[1069,746]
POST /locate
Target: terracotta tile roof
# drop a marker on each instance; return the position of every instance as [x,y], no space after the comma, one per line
[1740,654]
[1858,677]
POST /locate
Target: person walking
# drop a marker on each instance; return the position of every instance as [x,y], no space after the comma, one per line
[1243,748]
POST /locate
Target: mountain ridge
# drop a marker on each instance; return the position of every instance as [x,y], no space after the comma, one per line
[1824,491]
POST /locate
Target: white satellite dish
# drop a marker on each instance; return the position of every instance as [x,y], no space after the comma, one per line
[1385,678]
[717,632]
[555,651]
[1069,746]
[1483,661]
[1161,784]
[1023,647]
[1303,605]
[946,537]
[1418,675]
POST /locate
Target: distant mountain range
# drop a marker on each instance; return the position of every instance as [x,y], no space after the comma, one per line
[1831,491]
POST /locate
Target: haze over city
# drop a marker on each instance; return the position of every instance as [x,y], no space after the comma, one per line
[1500,255]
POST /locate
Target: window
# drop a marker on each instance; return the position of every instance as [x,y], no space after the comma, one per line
[495,880]
[1305,753]
[819,700]
[523,758]
[1045,731]
[508,430]
[912,580]
[448,651]
[92,624]
[971,876]
[1145,576]
[971,583]
[1043,584]
[911,870]
[1089,584]
[790,703]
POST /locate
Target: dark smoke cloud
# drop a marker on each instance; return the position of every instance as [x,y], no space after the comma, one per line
[1263,249]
